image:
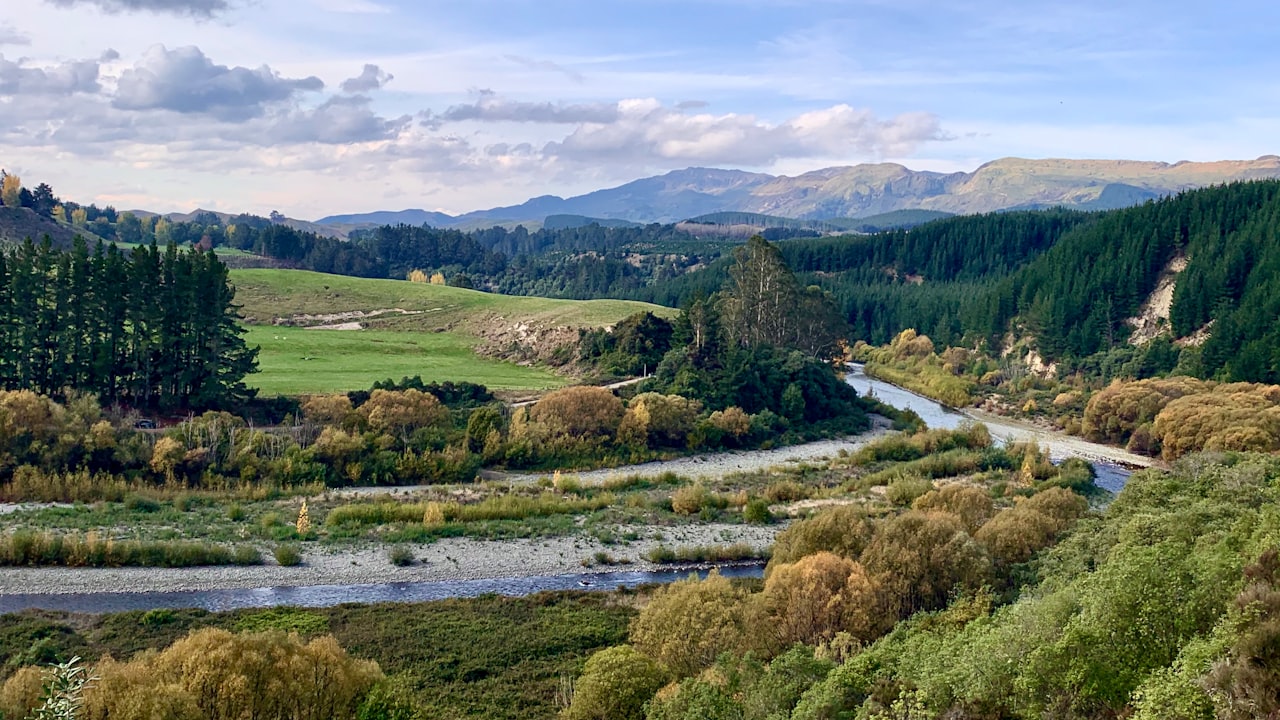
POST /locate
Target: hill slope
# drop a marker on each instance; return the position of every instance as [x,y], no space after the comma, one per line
[375,329]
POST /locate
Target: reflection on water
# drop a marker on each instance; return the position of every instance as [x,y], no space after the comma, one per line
[327,595]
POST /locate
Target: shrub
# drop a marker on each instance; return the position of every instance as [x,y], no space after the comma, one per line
[288,555]
[579,411]
[400,556]
[756,512]
[141,504]
[704,553]
[615,685]
[235,513]
[690,499]
[810,600]
[906,488]
[688,623]
[31,548]
[921,558]
[970,504]
[660,419]
[843,530]
[217,674]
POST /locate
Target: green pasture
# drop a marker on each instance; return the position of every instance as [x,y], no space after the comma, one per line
[296,361]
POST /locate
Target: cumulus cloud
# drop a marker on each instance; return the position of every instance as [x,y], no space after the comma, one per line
[67,78]
[491,108]
[184,80]
[338,120]
[648,131]
[194,8]
[371,78]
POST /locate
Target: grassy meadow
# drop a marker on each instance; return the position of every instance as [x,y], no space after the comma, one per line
[427,330]
[295,361]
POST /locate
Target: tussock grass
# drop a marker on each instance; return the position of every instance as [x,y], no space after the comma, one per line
[38,549]
[705,553]
[503,507]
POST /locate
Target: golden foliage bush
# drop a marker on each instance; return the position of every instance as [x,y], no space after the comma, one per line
[814,598]
[688,623]
[327,409]
[1177,416]
[921,558]
[690,499]
[402,411]
[579,411]
[21,692]
[972,506]
[1016,534]
[1115,411]
[217,675]
[1239,416]
[732,421]
[662,419]
[843,530]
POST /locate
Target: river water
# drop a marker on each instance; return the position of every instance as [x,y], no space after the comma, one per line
[327,595]
[1110,476]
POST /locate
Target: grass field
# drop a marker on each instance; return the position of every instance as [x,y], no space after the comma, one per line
[433,331]
[266,294]
[296,361]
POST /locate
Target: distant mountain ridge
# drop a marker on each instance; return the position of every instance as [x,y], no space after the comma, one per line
[862,190]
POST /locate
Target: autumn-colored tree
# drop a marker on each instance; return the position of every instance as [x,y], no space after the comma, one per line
[11,191]
[402,411]
[1016,534]
[327,409]
[921,558]
[843,530]
[732,421]
[21,693]
[417,276]
[335,446]
[166,456]
[971,505]
[579,411]
[812,599]
[226,676]
[79,217]
[660,419]
[438,279]
[688,623]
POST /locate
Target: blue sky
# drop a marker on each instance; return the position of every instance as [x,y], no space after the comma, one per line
[313,107]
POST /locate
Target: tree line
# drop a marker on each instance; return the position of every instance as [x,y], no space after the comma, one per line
[152,328]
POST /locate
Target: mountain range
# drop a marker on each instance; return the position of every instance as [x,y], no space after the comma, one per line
[856,191]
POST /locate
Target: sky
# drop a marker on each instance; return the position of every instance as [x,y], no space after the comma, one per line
[319,107]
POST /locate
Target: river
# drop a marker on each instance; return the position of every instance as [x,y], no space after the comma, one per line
[1111,475]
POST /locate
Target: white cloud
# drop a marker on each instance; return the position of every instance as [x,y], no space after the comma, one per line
[649,132]
[184,80]
[66,78]
[371,78]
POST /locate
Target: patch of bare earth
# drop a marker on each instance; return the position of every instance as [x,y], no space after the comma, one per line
[1152,319]
[524,341]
